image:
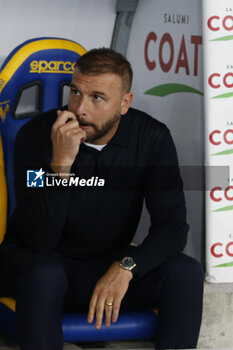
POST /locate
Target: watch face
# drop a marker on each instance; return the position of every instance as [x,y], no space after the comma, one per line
[127,262]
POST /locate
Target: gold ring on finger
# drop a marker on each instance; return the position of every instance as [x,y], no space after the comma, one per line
[109,303]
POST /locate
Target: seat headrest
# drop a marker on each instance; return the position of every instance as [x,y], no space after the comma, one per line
[45,63]
[33,79]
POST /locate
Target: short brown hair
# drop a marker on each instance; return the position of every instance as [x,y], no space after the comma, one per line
[105,60]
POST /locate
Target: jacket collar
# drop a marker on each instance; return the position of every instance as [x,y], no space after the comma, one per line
[121,136]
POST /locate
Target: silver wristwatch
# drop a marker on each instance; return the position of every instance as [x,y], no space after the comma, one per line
[127,263]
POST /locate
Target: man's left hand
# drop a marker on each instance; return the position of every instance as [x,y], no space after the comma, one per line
[110,289]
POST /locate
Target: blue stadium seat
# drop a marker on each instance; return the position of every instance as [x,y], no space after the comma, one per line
[33,79]
[130,326]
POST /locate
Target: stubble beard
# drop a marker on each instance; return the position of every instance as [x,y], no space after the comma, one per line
[99,132]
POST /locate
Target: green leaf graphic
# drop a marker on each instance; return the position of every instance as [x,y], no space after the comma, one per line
[229,151]
[168,89]
[223,38]
[228,94]
[228,208]
[225,265]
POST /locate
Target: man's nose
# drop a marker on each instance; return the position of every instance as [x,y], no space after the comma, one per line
[82,106]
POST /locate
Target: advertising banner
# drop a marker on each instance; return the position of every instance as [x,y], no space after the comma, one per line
[165,49]
[218,83]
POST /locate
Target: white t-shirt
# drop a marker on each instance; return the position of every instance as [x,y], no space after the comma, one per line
[98,147]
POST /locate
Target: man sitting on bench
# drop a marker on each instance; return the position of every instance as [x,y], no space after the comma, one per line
[67,246]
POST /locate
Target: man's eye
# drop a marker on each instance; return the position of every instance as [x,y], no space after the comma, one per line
[75,92]
[97,97]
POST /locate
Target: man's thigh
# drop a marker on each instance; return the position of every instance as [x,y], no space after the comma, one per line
[174,277]
[16,261]
[82,276]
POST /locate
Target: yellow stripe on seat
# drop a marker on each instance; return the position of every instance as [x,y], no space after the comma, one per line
[3,196]
[25,51]
[9,302]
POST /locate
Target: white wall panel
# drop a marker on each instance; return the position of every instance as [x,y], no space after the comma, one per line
[88,22]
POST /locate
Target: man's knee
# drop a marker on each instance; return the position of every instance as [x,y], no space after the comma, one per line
[47,273]
[185,269]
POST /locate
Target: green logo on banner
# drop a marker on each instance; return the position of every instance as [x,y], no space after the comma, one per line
[227,208]
[223,38]
[223,153]
[225,265]
[169,89]
[227,95]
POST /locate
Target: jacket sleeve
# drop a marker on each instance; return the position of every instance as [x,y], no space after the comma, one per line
[40,213]
[165,203]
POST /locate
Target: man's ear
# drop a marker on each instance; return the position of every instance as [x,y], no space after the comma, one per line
[126,102]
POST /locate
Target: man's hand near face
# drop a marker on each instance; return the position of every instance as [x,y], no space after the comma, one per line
[66,138]
[110,289]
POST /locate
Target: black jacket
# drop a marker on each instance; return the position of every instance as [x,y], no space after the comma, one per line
[139,163]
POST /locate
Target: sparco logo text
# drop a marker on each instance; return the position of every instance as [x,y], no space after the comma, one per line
[43,66]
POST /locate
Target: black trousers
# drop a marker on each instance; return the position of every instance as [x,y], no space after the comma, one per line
[47,285]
